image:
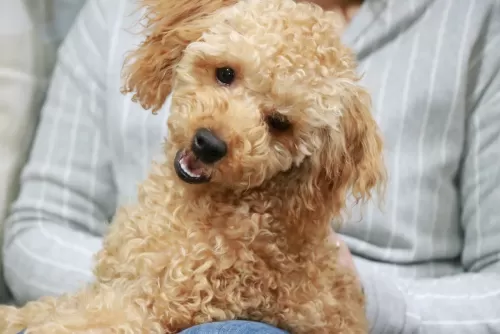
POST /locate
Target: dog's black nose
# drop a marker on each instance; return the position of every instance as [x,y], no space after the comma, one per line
[208,147]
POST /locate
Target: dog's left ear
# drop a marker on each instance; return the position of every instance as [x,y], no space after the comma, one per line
[352,159]
[169,26]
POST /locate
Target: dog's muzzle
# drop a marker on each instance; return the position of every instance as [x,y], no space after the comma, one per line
[195,165]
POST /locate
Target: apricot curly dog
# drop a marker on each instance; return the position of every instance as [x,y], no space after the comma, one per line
[269,133]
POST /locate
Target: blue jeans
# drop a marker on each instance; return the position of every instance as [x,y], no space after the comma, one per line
[231,327]
[234,327]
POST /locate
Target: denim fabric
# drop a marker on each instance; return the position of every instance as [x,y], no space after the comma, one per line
[234,327]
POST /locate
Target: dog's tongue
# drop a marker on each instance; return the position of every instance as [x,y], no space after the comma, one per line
[195,166]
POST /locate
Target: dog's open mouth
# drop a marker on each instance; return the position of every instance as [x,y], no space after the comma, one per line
[190,169]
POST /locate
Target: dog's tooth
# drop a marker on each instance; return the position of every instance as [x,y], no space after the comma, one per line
[187,170]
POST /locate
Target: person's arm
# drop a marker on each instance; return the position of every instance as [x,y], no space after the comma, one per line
[20,75]
[469,302]
[67,192]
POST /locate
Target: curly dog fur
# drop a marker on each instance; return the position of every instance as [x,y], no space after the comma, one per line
[252,243]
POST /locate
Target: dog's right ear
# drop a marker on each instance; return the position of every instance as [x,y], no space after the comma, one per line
[170,25]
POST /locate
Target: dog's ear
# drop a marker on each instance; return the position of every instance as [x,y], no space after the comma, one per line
[169,26]
[351,159]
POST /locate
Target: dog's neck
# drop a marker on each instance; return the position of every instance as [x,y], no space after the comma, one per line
[280,209]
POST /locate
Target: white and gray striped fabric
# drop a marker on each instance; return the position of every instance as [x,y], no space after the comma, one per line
[429,261]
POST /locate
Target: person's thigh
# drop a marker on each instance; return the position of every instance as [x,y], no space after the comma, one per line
[236,327]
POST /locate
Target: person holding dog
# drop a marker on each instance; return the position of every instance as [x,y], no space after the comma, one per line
[428,262]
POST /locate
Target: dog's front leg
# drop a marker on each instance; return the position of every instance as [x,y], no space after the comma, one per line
[98,309]
[335,305]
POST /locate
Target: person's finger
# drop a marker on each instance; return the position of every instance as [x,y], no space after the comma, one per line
[344,256]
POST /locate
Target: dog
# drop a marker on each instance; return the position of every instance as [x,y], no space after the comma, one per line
[269,133]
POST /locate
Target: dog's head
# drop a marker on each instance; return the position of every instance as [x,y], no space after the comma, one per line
[261,89]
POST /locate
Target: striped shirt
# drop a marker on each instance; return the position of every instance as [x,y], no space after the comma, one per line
[429,261]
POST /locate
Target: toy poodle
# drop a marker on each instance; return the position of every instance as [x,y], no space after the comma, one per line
[269,133]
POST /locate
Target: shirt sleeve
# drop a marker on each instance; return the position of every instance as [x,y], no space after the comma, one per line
[469,302]
[67,193]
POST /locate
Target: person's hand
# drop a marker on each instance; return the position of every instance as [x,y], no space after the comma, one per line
[345,258]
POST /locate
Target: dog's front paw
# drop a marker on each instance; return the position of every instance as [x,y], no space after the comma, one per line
[61,330]
[10,320]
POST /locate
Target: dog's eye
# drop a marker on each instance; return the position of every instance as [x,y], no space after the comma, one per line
[225,75]
[278,122]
